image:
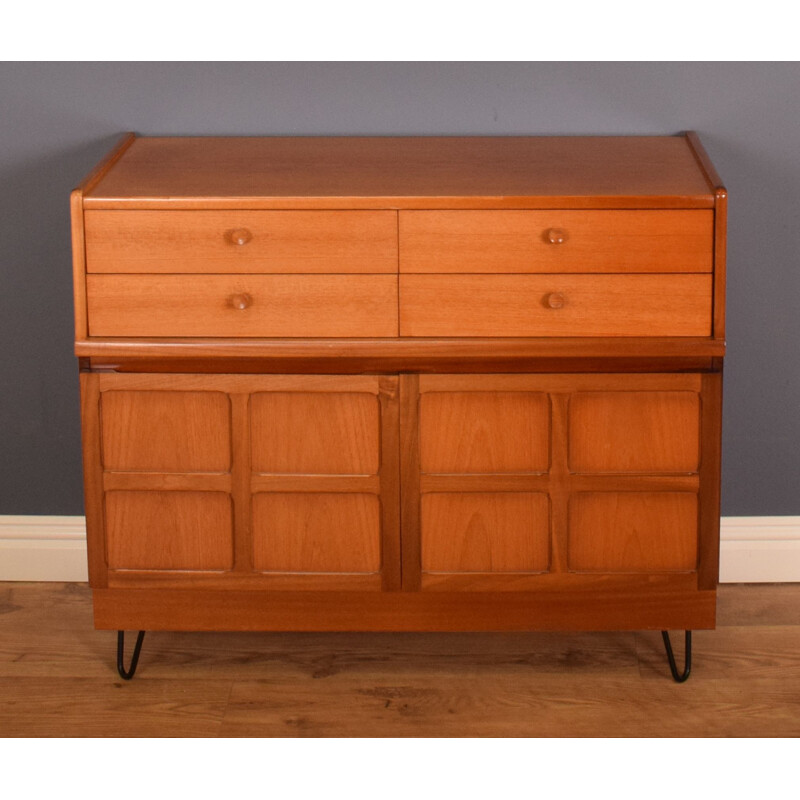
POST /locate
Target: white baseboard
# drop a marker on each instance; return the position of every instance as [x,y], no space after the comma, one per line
[33,548]
[759,550]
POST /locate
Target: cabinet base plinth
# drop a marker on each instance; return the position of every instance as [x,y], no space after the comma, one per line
[209,610]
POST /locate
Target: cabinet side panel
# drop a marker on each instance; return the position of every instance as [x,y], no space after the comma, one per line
[79,231]
[720,262]
[93,480]
[709,520]
[78,265]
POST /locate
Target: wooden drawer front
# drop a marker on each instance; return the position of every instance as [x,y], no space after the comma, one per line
[555,305]
[633,532]
[241,241]
[242,305]
[556,241]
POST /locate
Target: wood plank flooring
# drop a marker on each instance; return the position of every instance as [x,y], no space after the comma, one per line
[58,678]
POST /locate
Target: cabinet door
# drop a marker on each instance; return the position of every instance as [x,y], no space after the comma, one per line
[284,482]
[515,482]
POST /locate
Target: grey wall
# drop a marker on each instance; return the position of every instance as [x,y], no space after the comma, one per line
[57,120]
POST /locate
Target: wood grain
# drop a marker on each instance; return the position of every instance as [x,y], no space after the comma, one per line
[271,241]
[485,532]
[593,241]
[78,233]
[274,305]
[484,432]
[720,229]
[411,172]
[634,432]
[169,530]
[390,492]
[638,603]
[454,504]
[516,305]
[94,507]
[316,532]
[238,383]
[61,672]
[561,382]
[720,261]
[709,512]
[166,431]
[315,433]
[411,544]
[633,531]
[241,483]
[78,265]
[478,354]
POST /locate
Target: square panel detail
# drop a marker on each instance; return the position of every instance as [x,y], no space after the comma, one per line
[484,432]
[485,532]
[169,530]
[633,532]
[163,431]
[310,532]
[655,432]
[315,433]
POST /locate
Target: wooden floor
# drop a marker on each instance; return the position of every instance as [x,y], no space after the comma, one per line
[58,678]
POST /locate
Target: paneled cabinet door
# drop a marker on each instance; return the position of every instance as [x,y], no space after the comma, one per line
[516,482]
[283,482]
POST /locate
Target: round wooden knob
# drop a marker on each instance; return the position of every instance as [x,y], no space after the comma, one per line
[555,300]
[555,235]
[240,301]
[239,236]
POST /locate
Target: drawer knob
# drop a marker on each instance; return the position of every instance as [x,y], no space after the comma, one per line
[555,235]
[239,236]
[555,300]
[241,301]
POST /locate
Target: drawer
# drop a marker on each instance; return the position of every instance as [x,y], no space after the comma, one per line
[556,241]
[242,305]
[555,305]
[241,241]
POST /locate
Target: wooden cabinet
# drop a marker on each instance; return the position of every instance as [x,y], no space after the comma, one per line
[401,384]
[545,481]
[288,482]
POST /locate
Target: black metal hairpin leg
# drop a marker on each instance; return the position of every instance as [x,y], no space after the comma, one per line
[679,677]
[123,673]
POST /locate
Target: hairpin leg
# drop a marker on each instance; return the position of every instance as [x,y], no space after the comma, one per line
[687,668]
[123,673]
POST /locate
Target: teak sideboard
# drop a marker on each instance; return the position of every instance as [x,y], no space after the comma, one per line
[401,383]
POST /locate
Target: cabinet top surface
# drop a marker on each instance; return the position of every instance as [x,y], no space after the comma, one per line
[403,172]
